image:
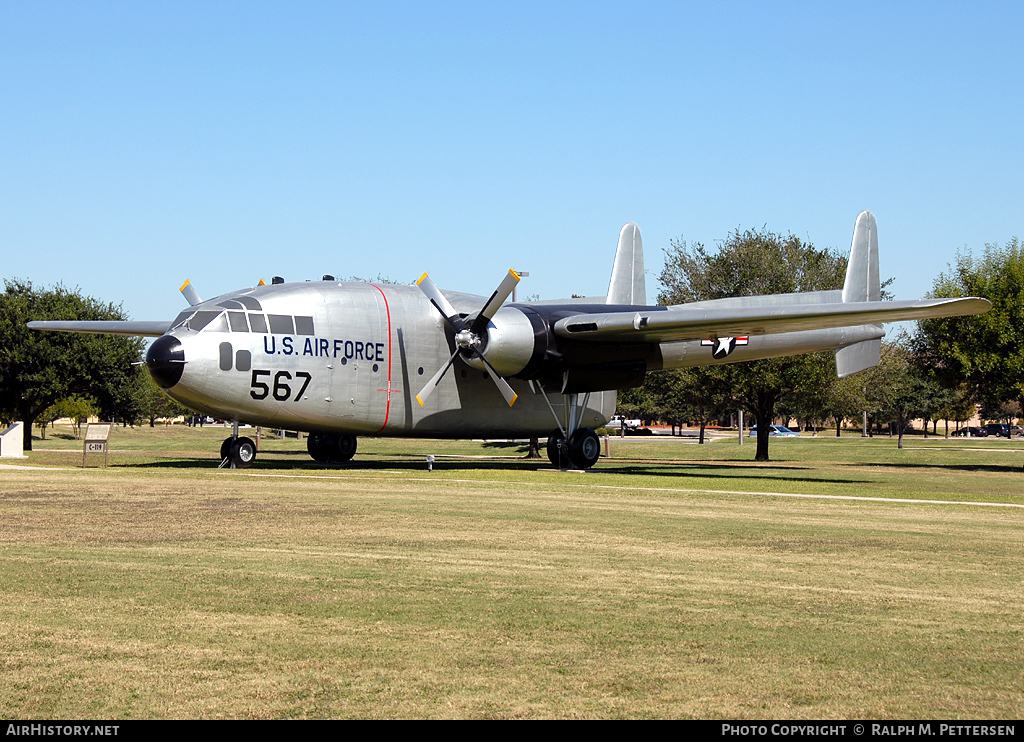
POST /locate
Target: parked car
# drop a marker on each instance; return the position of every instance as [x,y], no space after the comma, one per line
[971,432]
[777,431]
[1002,429]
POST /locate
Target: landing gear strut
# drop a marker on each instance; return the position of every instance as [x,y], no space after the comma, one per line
[237,453]
[572,445]
[331,448]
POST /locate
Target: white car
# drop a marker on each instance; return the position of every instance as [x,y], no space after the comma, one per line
[777,431]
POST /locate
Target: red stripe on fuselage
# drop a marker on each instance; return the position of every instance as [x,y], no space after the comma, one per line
[387,309]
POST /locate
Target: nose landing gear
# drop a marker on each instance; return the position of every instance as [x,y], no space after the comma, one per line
[237,453]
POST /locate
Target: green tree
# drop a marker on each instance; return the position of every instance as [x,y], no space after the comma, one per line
[152,401]
[984,351]
[756,262]
[845,398]
[896,390]
[698,393]
[38,369]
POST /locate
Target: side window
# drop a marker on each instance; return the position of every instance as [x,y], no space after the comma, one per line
[225,356]
[281,324]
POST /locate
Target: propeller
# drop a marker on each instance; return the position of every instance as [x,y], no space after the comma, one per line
[468,337]
[189,292]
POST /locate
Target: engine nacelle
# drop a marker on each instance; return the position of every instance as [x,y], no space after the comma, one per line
[510,342]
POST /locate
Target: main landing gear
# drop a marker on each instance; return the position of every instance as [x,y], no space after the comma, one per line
[581,448]
[237,453]
[331,448]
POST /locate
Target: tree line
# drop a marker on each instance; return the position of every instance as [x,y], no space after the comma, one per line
[49,375]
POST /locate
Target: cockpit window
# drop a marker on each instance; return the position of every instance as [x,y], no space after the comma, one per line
[258,322]
[202,319]
[194,321]
[237,322]
[181,318]
[219,324]
[281,324]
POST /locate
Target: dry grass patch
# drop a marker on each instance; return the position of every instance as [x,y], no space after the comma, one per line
[159,591]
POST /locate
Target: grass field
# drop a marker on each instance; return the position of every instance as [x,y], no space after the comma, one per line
[845,578]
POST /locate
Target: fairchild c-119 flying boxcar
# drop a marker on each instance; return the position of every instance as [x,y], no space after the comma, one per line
[340,359]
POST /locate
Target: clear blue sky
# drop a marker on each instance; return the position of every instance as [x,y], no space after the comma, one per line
[145,143]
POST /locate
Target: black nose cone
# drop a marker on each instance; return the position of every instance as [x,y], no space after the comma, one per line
[165,360]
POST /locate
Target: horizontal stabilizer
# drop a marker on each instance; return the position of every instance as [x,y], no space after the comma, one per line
[682,323]
[858,357]
[103,327]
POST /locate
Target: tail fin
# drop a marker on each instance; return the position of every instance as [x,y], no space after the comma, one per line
[862,284]
[627,285]
[862,270]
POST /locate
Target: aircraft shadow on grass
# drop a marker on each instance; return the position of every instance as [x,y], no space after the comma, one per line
[704,470]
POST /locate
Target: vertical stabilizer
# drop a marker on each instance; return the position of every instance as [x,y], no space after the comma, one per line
[862,284]
[862,270]
[627,285]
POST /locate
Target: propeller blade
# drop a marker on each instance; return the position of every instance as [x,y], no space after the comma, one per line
[443,305]
[506,391]
[435,379]
[503,291]
[189,292]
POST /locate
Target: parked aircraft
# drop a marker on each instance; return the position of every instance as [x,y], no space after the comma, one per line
[341,359]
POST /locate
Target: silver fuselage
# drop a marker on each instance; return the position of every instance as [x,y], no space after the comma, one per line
[350,357]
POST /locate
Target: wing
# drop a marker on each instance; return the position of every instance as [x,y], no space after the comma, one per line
[104,327]
[693,323]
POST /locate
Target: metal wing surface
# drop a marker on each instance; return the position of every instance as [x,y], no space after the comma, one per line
[696,323]
[104,327]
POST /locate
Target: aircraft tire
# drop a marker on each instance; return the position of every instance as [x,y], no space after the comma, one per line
[243,453]
[584,448]
[318,446]
[225,447]
[557,454]
[344,448]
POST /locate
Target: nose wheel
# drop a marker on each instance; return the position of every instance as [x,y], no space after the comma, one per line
[237,453]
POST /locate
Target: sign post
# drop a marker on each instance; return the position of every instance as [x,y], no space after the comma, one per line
[97,437]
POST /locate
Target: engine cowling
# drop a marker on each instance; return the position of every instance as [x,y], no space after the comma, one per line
[510,342]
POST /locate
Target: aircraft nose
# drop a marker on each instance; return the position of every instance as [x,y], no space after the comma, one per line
[165,360]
